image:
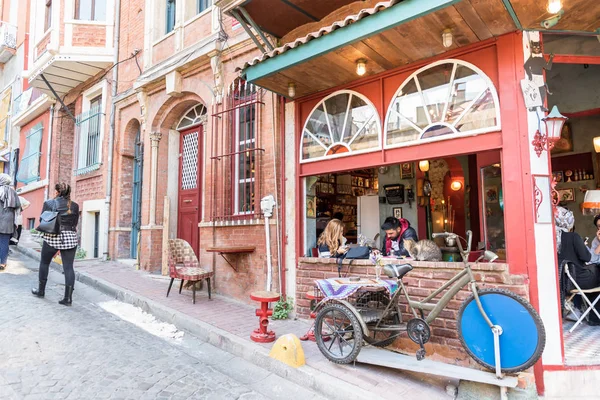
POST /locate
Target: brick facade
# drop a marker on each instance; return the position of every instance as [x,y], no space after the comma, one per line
[89,35]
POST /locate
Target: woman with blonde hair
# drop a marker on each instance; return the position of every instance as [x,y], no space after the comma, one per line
[330,241]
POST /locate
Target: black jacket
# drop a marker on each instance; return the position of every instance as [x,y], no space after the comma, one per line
[68,221]
[573,249]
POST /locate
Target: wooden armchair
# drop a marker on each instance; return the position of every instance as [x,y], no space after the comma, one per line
[183,264]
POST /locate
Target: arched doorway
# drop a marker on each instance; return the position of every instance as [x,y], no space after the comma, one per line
[136,208]
[190,173]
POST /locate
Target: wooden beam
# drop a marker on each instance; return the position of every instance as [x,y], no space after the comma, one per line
[392,17]
[564,59]
[585,113]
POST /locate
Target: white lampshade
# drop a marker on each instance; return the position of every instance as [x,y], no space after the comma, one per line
[554,124]
[591,203]
[424,165]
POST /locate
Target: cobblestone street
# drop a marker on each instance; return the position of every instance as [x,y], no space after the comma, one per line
[50,351]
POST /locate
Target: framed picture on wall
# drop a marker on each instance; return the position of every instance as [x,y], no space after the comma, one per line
[311,207]
[566,195]
[491,194]
[407,171]
[397,212]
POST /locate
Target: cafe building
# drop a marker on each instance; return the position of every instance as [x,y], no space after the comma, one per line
[436,111]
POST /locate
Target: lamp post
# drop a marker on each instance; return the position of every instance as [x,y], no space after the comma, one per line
[554,123]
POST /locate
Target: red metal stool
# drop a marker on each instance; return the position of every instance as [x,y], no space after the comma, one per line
[317,297]
[262,334]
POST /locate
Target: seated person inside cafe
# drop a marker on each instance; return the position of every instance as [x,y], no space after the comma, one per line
[572,248]
[595,246]
[396,232]
[330,241]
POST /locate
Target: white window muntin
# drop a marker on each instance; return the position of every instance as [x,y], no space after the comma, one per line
[198,112]
[250,154]
[489,85]
[327,148]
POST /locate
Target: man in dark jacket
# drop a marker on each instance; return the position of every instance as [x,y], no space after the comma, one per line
[396,231]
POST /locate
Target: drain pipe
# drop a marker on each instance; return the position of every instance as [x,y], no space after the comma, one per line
[111,134]
[266,204]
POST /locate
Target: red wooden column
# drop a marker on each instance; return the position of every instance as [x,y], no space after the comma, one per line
[516,172]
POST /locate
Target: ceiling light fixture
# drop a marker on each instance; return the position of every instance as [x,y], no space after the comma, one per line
[291,89]
[424,166]
[554,6]
[361,67]
[447,38]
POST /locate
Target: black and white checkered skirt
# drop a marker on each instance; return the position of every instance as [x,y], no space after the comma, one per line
[63,241]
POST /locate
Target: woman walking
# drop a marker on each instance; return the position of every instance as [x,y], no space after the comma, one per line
[65,241]
[9,202]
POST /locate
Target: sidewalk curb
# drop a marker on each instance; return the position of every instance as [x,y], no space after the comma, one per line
[306,376]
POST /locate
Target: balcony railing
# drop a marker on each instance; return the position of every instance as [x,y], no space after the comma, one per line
[24,100]
[8,36]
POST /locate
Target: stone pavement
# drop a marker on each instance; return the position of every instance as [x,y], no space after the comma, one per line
[237,320]
[82,352]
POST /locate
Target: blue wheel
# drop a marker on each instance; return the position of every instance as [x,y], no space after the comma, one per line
[523,336]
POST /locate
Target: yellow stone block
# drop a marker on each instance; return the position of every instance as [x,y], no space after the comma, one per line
[288,350]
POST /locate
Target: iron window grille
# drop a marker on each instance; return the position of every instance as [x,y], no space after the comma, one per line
[236,160]
[88,132]
[29,170]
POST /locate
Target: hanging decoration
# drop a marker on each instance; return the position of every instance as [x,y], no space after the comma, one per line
[534,68]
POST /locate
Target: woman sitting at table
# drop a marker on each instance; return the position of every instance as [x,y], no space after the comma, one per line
[330,241]
[571,248]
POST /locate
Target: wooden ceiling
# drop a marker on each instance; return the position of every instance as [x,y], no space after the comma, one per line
[579,15]
[471,21]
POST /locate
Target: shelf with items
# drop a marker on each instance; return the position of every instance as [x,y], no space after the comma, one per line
[574,168]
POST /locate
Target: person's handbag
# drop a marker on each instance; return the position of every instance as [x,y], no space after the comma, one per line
[49,221]
[358,253]
[353,253]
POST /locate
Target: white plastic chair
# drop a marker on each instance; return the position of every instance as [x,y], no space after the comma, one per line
[580,292]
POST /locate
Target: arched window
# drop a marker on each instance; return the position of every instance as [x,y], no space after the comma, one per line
[193,117]
[446,99]
[342,124]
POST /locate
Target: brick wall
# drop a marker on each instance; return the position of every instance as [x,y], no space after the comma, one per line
[163,50]
[40,48]
[89,35]
[252,267]
[197,30]
[131,38]
[423,280]
[63,144]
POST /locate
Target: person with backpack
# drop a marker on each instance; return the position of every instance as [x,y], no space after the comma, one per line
[63,239]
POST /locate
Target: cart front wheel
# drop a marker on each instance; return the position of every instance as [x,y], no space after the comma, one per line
[523,336]
[338,333]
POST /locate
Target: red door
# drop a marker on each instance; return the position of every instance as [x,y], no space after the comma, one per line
[190,168]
